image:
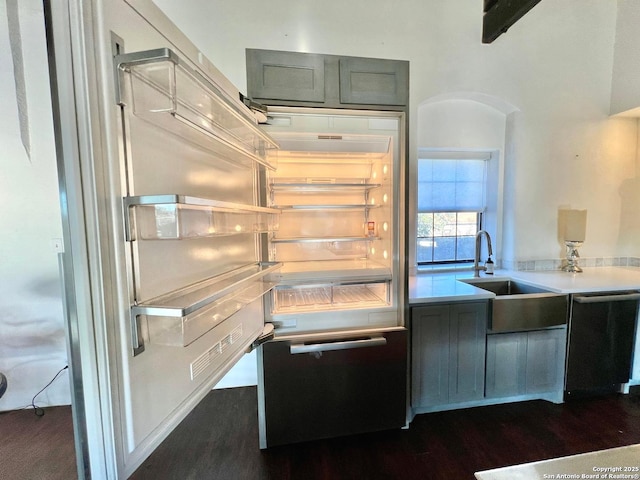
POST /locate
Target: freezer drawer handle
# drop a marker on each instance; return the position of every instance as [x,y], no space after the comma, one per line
[342,345]
[606,298]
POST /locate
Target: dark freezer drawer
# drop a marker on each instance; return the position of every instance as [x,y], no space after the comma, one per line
[322,389]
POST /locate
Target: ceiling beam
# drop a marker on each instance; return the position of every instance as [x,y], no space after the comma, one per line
[499,15]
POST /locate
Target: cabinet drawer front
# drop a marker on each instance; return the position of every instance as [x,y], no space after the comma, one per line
[334,392]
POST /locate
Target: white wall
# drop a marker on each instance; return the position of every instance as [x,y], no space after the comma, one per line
[625,94]
[554,66]
[32,331]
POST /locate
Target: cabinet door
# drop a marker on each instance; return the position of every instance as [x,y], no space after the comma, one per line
[545,360]
[373,81]
[285,76]
[467,346]
[506,362]
[430,355]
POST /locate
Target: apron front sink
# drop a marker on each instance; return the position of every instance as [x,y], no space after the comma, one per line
[518,306]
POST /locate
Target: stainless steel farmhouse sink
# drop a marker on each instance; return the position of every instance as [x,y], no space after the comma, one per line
[518,306]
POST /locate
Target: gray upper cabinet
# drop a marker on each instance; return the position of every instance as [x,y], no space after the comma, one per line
[291,76]
[373,81]
[332,81]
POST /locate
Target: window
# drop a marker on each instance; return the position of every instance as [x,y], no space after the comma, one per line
[451,200]
[447,237]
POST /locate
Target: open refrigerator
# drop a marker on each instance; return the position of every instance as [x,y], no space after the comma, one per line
[338,362]
[203,236]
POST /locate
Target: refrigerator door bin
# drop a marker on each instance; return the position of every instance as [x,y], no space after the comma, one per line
[182,316]
[161,217]
[157,83]
[313,298]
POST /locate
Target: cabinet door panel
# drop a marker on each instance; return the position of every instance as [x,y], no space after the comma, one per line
[285,76]
[373,81]
[430,355]
[467,351]
[545,360]
[506,357]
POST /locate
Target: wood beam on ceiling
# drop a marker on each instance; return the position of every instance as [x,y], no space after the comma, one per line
[499,15]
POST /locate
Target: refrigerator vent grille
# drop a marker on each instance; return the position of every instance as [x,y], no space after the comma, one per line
[205,360]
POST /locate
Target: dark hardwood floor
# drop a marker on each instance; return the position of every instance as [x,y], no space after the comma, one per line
[223,444]
[219,440]
[37,448]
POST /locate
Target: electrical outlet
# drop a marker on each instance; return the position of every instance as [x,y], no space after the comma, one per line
[58,245]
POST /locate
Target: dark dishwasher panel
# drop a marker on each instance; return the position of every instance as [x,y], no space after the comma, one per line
[321,389]
[601,336]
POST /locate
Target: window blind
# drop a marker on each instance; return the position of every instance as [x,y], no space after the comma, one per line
[452,184]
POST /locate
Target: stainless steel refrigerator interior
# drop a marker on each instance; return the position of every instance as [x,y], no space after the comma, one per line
[338,362]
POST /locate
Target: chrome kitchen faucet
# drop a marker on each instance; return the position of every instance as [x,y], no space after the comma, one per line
[476,261]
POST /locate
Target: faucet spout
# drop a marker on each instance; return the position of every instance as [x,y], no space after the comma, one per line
[476,261]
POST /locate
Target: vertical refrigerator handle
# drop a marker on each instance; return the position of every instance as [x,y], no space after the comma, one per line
[339,345]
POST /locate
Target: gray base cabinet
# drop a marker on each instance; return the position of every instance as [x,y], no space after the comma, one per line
[525,363]
[448,353]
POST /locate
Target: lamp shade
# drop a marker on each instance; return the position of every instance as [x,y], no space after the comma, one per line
[575,226]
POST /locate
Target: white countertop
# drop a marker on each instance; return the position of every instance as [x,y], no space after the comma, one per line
[446,287]
[622,462]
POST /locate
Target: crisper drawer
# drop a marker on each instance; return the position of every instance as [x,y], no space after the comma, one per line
[305,298]
[322,387]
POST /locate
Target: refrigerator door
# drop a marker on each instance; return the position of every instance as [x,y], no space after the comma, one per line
[161,167]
